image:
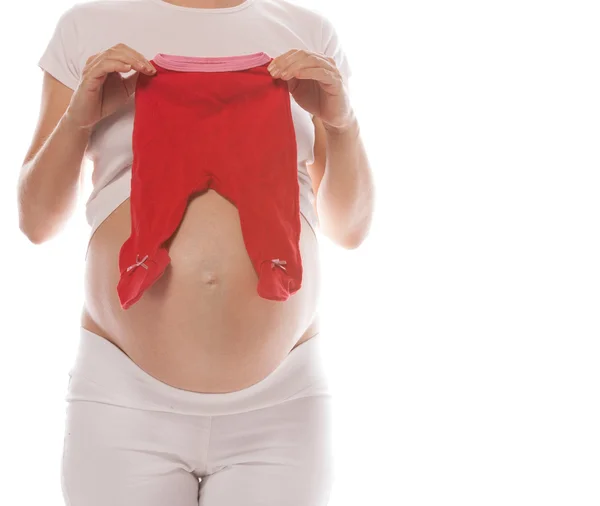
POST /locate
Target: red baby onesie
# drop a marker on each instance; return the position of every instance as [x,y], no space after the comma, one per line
[222,123]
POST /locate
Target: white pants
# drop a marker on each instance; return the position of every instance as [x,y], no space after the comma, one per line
[132,440]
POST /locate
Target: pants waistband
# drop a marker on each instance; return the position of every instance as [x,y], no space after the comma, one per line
[102,372]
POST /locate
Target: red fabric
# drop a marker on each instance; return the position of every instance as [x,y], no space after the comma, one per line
[231,131]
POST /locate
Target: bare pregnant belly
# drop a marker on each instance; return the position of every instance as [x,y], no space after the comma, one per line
[202,326]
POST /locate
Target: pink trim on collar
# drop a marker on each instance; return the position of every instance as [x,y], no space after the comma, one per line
[211,63]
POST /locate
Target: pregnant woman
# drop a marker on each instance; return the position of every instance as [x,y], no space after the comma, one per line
[203,392]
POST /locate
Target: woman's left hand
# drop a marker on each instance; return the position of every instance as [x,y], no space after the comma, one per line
[317,86]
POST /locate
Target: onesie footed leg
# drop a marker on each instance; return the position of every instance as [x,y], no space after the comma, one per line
[140,274]
[275,281]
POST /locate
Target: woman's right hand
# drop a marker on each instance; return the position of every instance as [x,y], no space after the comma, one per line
[102,90]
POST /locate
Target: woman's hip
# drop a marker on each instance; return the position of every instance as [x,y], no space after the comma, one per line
[272,456]
[131,439]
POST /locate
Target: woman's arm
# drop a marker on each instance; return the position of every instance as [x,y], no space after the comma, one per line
[49,180]
[51,174]
[343,184]
[345,189]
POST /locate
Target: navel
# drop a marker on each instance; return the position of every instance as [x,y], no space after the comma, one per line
[210,278]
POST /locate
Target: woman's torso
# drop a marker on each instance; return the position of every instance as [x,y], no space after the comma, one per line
[202,325]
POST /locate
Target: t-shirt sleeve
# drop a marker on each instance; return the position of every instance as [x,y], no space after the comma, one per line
[59,56]
[332,47]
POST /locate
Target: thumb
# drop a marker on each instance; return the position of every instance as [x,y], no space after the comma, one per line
[130,82]
[293,84]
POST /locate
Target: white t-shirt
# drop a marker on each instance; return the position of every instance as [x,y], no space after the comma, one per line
[155,26]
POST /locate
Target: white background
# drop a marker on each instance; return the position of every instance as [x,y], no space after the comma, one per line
[463,334]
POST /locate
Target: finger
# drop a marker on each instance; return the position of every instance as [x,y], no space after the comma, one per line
[129,55]
[284,61]
[275,62]
[105,66]
[123,57]
[301,59]
[311,61]
[115,53]
[319,74]
[130,82]
[280,62]
[92,59]
[140,57]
